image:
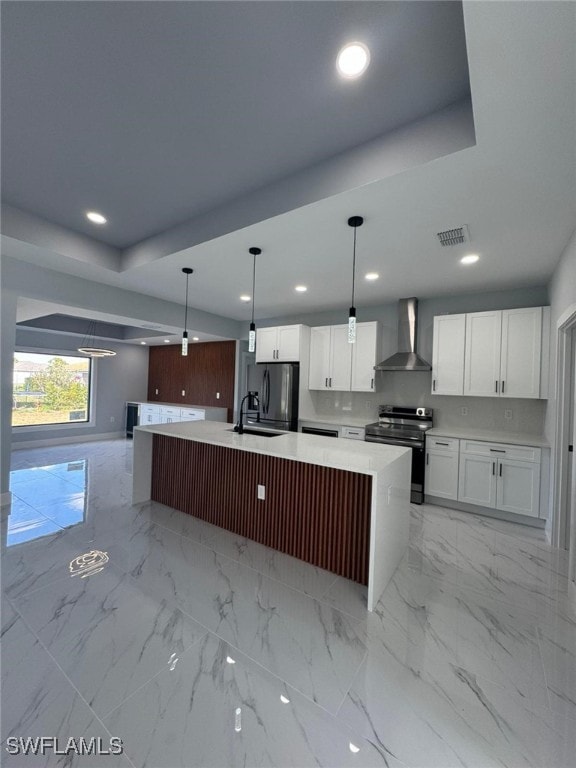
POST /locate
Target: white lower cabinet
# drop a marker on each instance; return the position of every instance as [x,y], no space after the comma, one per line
[477,480]
[168,414]
[149,414]
[518,487]
[500,476]
[442,468]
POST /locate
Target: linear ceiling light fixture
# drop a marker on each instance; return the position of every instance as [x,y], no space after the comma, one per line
[252,333]
[354,222]
[187,271]
[89,347]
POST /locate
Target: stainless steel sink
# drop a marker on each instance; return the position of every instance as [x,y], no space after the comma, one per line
[259,432]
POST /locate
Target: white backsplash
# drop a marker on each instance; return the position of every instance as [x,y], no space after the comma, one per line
[413,389]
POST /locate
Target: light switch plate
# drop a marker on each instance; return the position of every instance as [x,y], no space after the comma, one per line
[183,393]
[262,492]
[508,413]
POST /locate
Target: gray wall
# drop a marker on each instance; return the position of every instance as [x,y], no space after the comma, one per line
[398,388]
[115,380]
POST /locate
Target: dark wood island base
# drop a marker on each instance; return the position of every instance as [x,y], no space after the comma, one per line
[318,514]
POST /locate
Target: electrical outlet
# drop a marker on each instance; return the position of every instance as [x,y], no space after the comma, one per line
[262,492]
[156,391]
[183,393]
[217,395]
[508,413]
[112,419]
[368,405]
[464,411]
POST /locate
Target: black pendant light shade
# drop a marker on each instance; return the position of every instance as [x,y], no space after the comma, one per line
[354,222]
[252,333]
[187,271]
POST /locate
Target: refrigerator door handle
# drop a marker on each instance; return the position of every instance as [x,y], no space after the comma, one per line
[266,391]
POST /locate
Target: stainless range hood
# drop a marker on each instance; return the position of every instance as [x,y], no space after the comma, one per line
[406,358]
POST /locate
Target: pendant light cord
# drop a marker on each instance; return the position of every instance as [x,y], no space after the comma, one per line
[253,284]
[186,307]
[354,266]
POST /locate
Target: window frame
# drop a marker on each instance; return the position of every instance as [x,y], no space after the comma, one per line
[90,421]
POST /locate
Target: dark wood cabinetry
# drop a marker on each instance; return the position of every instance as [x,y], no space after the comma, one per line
[207,369]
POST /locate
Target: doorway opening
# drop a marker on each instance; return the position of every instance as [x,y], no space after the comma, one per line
[564,520]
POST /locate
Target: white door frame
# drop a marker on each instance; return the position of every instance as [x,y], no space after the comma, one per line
[561,501]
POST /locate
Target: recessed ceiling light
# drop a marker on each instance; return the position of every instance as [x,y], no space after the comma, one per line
[371,276]
[300,288]
[245,297]
[353,748]
[95,217]
[353,60]
[166,341]
[195,338]
[142,342]
[472,258]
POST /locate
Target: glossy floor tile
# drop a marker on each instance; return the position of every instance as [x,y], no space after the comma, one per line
[197,647]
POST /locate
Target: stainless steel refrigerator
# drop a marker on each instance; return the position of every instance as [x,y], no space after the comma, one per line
[276,385]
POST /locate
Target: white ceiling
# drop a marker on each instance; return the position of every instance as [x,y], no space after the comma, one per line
[516,190]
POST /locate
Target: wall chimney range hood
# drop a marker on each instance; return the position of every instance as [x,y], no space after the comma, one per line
[406,358]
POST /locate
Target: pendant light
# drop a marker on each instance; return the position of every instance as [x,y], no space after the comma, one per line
[187,271]
[88,344]
[252,333]
[355,222]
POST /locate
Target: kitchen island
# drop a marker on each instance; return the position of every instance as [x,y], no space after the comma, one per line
[340,505]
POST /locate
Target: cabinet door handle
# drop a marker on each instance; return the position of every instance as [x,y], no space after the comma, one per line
[500,470]
[496,450]
[502,389]
[330,381]
[433,385]
[427,459]
[493,467]
[437,443]
[371,383]
[326,385]
[495,386]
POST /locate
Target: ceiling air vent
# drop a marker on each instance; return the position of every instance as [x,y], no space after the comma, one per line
[454,236]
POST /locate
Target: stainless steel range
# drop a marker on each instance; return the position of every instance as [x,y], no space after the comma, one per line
[403,426]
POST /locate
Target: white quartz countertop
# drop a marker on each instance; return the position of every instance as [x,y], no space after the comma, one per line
[350,455]
[490,436]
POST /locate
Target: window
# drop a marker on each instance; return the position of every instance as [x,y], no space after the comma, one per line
[50,389]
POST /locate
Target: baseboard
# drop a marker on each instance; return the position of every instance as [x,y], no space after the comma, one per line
[63,440]
[508,517]
[5,499]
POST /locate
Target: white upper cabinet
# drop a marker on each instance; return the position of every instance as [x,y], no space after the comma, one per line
[364,354]
[330,358]
[448,355]
[319,357]
[521,353]
[501,353]
[482,354]
[338,365]
[266,343]
[280,344]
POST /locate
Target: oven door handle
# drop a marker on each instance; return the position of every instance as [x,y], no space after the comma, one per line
[401,443]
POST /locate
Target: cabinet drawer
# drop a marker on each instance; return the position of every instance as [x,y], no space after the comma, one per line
[353,433]
[169,411]
[192,414]
[442,444]
[501,450]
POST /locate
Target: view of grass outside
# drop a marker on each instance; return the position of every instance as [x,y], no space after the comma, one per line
[50,389]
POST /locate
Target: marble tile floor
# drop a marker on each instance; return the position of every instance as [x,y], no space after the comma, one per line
[198,648]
